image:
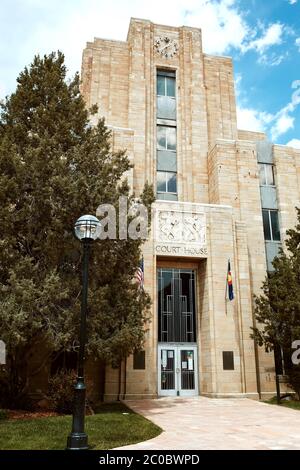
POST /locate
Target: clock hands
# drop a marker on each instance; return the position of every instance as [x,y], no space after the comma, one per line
[166,46]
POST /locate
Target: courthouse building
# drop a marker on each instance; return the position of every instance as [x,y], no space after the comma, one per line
[221,194]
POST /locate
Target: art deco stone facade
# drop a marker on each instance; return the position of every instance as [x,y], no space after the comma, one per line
[218,214]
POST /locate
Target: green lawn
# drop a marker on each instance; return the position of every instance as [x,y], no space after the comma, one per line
[107,429]
[295,404]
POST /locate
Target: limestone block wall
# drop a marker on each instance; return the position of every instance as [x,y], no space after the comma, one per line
[250,135]
[287,175]
[251,215]
[229,322]
[192,118]
[104,75]
[122,140]
[140,100]
[248,351]
[233,168]
[222,173]
[220,96]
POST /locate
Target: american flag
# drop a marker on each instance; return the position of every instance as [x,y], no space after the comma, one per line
[140,273]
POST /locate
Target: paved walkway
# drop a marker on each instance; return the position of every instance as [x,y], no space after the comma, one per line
[208,423]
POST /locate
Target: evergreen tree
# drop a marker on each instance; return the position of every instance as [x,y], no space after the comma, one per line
[277,309]
[55,167]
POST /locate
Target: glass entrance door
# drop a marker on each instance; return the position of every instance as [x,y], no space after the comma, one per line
[177,370]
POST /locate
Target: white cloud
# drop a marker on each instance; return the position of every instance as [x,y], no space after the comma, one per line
[278,123]
[283,120]
[292,2]
[283,123]
[271,36]
[271,59]
[294,143]
[223,25]
[68,25]
[237,84]
[249,119]
[252,119]
[297,42]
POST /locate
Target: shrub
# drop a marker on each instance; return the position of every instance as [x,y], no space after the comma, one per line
[13,393]
[3,414]
[294,379]
[61,391]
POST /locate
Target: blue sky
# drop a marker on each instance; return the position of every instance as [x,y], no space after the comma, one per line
[262,36]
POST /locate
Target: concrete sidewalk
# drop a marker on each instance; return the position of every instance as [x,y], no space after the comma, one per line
[208,423]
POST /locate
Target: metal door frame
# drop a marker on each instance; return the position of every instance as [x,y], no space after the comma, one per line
[177,348]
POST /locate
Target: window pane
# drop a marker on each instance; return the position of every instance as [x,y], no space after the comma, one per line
[160,85]
[262,176]
[171,183]
[161,138]
[161,181]
[171,138]
[266,224]
[270,175]
[275,225]
[171,87]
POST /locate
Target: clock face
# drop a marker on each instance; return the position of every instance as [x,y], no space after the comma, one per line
[166,47]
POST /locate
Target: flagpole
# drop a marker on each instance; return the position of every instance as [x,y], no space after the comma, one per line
[226,287]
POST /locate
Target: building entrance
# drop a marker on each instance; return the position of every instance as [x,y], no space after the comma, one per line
[177,348]
[178,371]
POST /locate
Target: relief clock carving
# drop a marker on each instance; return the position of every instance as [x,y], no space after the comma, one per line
[166,47]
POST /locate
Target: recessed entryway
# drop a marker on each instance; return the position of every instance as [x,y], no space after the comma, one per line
[177,347]
[177,370]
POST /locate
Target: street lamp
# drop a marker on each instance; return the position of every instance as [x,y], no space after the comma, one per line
[87,229]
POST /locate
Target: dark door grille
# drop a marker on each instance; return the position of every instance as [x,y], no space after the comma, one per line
[176,305]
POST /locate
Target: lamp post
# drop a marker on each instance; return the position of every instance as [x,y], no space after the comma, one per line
[87,229]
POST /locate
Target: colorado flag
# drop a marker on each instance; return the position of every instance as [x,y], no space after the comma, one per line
[229,282]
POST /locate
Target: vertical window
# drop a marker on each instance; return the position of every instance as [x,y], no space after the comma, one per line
[166,182]
[166,131]
[271,225]
[161,182]
[266,224]
[165,86]
[275,225]
[166,138]
[266,174]
[161,88]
